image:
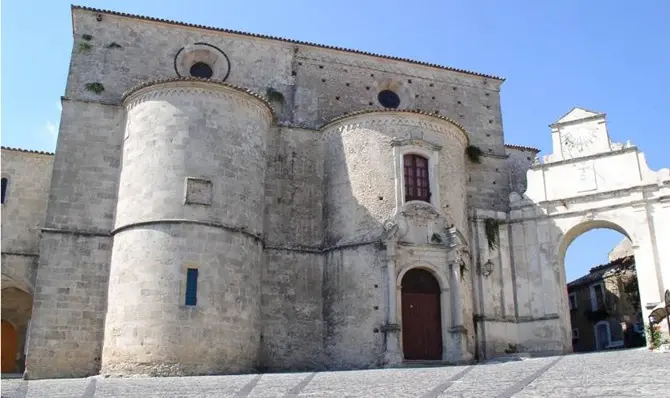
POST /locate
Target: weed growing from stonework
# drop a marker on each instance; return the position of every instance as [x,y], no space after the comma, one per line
[274,95]
[95,87]
[87,37]
[491,229]
[85,47]
[474,153]
[462,269]
[654,336]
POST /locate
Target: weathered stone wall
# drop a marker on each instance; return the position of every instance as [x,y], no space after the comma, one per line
[190,190]
[623,249]
[16,309]
[520,301]
[292,281]
[519,160]
[363,172]
[353,307]
[294,189]
[70,298]
[282,216]
[317,84]
[23,212]
[66,330]
[363,193]
[28,175]
[292,311]
[150,331]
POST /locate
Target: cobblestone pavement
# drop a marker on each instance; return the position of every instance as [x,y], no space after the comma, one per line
[621,373]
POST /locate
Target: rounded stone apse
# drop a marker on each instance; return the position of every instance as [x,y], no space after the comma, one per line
[184,286]
[365,170]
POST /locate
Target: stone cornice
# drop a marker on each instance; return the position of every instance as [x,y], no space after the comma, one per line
[187,85]
[582,212]
[597,196]
[540,166]
[416,142]
[397,117]
[281,39]
[577,121]
[81,232]
[513,319]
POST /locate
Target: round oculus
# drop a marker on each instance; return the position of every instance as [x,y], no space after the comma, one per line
[388,99]
[201,70]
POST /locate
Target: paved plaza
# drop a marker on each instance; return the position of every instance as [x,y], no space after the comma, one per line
[622,373]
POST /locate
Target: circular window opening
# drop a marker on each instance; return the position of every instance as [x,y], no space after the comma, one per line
[388,99]
[202,70]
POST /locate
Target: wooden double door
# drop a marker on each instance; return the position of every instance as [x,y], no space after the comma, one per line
[421,316]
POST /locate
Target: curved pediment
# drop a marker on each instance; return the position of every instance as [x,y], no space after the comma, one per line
[418,223]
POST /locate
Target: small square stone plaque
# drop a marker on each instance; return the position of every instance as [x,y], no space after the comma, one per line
[198,191]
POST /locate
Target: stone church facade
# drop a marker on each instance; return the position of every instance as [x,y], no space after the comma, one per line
[223,202]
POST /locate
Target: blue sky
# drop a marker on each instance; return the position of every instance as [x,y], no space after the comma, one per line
[606,55]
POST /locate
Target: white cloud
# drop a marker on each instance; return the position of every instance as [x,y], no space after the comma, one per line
[60,106]
[51,128]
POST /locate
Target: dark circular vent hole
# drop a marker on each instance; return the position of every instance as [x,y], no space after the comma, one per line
[202,70]
[388,99]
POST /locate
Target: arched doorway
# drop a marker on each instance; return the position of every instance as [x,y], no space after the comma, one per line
[421,319]
[10,346]
[604,308]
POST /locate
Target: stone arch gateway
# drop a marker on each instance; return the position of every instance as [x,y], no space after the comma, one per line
[587,182]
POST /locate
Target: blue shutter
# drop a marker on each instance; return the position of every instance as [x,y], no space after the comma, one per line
[191,286]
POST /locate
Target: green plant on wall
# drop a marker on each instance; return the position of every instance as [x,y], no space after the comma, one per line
[95,87]
[85,47]
[87,37]
[274,95]
[463,269]
[474,153]
[491,229]
[654,336]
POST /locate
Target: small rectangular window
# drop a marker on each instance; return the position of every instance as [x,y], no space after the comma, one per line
[191,286]
[4,190]
[572,300]
[597,296]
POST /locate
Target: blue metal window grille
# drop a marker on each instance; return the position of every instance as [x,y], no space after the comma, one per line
[191,286]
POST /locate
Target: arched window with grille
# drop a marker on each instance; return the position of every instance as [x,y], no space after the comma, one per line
[417,186]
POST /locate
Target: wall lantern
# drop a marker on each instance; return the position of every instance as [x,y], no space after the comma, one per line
[487,268]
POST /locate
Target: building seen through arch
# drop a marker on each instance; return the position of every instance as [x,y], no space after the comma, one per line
[224,202]
[605,307]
